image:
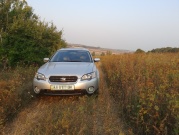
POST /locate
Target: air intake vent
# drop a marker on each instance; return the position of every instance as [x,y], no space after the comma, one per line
[63,78]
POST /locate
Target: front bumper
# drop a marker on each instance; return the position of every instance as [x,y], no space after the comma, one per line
[80,87]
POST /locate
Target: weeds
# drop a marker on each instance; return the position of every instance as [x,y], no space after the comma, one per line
[15,91]
[66,115]
[146,87]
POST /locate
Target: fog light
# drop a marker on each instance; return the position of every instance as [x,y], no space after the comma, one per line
[37,90]
[90,89]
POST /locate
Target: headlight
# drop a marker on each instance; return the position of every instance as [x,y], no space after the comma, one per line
[40,76]
[88,76]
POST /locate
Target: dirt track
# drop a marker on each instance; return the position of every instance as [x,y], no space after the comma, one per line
[68,115]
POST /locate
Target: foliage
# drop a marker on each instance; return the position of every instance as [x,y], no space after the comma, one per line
[102,54]
[165,50]
[139,51]
[146,89]
[93,53]
[24,38]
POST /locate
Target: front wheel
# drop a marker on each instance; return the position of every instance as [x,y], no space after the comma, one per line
[95,94]
[36,90]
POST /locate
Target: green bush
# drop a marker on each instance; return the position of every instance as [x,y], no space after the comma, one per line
[24,38]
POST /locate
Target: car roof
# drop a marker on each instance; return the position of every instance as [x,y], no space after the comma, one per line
[74,49]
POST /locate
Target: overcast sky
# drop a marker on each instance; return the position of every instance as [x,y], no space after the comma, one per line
[117,24]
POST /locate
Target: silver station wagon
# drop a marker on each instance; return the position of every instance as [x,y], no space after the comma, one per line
[70,71]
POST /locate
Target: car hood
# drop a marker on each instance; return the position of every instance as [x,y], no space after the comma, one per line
[66,69]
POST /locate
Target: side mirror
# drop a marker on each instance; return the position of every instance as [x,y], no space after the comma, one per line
[96,59]
[46,59]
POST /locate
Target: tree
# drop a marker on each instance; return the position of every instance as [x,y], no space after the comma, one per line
[165,50]
[102,54]
[139,51]
[93,53]
[25,39]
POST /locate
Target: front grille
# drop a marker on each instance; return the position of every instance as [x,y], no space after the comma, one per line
[63,78]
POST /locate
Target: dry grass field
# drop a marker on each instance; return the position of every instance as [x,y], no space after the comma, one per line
[139,94]
[146,87]
[78,115]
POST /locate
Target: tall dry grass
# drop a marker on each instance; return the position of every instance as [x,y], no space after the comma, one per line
[146,88]
[68,115]
[15,91]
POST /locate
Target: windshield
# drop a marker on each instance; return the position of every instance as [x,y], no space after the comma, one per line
[71,56]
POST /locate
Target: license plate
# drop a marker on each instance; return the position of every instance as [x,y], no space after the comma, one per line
[62,87]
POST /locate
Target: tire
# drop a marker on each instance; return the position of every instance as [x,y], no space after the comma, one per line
[95,94]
